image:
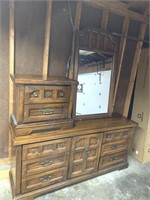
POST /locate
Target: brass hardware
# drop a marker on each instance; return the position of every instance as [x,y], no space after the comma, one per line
[35,94]
[108,135]
[114,146]
[48,111]
[35,151]
[48,94]
[86,153]
[45,178]
[126,133]
[114,158]
[60,145]
[46,163]
[61,94]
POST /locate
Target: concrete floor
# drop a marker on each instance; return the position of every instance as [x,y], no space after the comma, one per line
[132,183]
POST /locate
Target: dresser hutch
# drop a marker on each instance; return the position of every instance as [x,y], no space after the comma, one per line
[56,146]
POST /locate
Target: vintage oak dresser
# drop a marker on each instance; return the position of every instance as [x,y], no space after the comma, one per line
[51,150]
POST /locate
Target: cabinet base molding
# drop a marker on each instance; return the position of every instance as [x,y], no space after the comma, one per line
[52,188]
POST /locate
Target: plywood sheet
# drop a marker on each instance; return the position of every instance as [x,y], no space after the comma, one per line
[29,36]
[4,77]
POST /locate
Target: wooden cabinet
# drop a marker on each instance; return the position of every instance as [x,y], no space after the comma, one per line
[53,150]
[51,160]
[85,153]
[36,100]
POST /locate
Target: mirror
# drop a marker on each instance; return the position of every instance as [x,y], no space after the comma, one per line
[94,77]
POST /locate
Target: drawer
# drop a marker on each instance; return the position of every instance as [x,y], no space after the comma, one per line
[116,135]
[46,94]
[42,112]
[44,179]
[35,166]
[114,159]
[114,147]
[37,150]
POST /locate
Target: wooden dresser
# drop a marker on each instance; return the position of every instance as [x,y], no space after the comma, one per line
[51,150]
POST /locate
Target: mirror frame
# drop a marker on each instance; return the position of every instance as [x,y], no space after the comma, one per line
[91,44]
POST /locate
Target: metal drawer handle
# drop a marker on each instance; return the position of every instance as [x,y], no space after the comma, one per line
[61,94]
[45,178]
[35,94]
[114,158]
[108,136]
[114,146]
[47,111]
[46,163]
[86,153]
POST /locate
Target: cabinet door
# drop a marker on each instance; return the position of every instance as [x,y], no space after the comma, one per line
[85,154]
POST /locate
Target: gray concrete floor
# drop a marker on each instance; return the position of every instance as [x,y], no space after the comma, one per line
[132,183]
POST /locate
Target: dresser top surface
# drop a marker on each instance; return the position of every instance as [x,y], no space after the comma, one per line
[37,79]
[81,127]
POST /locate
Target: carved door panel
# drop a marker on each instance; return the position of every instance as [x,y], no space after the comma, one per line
[85,154]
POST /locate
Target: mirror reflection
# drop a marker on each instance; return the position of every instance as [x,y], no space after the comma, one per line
[94,77]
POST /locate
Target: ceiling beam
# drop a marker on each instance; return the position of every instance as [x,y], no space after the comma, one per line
[117,8]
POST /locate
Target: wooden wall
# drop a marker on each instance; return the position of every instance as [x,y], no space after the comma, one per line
[4,78]
[29,42]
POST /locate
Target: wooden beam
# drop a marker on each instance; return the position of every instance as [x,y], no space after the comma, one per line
[118,9]
[121,54]
[105,19]
[47,38]
[11,68]
[147,11]
[76,27]
[131,3]
[134,68]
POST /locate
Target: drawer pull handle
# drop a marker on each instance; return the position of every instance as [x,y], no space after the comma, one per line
[47,111]
[114,146]
[46,163]
[86,153]
[108,136]
[61,94]
[45,178]
[114,158]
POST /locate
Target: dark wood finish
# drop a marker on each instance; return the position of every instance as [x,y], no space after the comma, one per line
[111,136]
[41,164]
[85,153]
[43,179]
[46,94]
[55,159]
[82,127]
[38,100]
[36,128]
[114,147]
[44,112]
[37,150]
[114,159]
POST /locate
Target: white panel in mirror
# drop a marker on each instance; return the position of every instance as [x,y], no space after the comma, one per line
[93,93]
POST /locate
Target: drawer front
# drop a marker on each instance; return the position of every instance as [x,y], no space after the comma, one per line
[37,150]
[46,94]
[114,147]
[116,135]
[42,112]
[35,166]
[114,159]
[44,179]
